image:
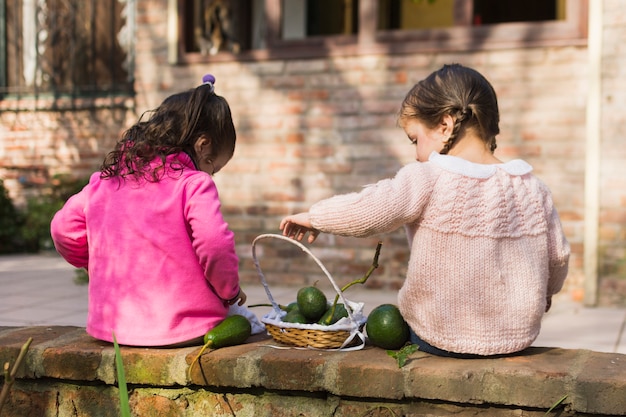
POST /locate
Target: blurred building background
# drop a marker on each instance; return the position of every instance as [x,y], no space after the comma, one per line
[315,87]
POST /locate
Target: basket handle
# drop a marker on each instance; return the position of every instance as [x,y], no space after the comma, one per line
[308,252]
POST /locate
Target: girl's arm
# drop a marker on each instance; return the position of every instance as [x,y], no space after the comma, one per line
[379,208]
[212,240]
[558,252]
[69,231]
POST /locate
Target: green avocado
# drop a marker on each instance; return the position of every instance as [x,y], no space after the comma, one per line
[233,330]
[331,317]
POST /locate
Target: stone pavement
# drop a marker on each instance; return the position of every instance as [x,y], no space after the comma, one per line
[40,290]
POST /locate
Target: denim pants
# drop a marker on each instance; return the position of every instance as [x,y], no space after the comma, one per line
[428,348]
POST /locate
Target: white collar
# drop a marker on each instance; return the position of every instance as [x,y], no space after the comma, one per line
[471,169]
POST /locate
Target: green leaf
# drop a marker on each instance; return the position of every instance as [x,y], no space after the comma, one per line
[402,355]
[121,380]
[556,404]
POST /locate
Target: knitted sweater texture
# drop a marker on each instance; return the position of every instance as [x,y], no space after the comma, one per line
[487,248]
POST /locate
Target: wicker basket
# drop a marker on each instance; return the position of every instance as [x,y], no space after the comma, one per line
[346,333]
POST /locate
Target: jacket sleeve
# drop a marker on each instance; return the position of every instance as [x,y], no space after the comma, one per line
[379,208]
[69,231]
[212,240]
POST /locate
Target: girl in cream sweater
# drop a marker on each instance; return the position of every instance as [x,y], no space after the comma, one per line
[487,246]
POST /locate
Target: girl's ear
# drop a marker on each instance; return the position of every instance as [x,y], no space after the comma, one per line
[447,124]
[202,146]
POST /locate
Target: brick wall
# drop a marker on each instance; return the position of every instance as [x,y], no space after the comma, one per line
[308,129]
[37,144]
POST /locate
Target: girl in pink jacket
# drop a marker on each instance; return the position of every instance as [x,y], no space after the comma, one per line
[487,246]
[148,227]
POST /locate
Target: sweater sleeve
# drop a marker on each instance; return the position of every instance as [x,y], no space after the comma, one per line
[558,246]
[378,208]
[558,252]
[69,231]
[212,240]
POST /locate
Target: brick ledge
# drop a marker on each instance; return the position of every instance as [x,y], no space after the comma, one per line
[595,383]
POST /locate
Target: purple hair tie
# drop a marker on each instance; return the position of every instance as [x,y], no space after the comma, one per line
[209,80]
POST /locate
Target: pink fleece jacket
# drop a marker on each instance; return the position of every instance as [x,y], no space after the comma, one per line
[160,256]
[486,242]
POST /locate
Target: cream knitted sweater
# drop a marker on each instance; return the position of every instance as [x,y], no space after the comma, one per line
[486,242]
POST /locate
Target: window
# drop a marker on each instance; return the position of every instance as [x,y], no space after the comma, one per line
[431,14]
[57,48]
[307,28]
[494,11]
[306,18]
[211,26]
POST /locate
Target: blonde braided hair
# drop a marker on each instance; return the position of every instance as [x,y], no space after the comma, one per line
[460,92]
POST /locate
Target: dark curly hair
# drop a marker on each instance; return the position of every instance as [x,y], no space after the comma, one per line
[460,92]
[171,128]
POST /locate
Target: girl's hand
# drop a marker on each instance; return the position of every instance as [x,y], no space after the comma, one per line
[241,297]
[297,226]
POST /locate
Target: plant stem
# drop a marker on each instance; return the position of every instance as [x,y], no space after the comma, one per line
[555,405]
[282,307]
[9,377]
[206,346]
[369,271]
[357,281]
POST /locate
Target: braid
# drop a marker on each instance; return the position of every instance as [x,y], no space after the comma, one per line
[461,116]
